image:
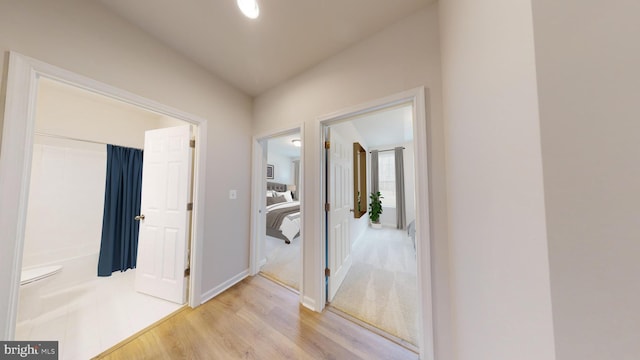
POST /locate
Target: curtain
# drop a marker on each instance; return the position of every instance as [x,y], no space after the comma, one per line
[401,211]
[119,244]
[296,178]
[375,183]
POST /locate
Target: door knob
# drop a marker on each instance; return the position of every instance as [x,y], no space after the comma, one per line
[139,217]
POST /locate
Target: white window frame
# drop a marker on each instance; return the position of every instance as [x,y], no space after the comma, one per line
[389,195]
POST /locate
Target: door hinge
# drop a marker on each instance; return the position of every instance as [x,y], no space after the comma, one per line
[192,143]
[327,144]
[187,272]
[327,272]
[189,206]
[327,207]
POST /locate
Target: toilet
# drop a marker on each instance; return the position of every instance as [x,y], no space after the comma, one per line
[32,283]
[29,276]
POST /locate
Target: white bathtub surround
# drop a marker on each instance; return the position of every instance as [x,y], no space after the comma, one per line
[89,318]
[66,201]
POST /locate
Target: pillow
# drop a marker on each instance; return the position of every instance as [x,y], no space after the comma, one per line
[271,193]
[275,200]
[286,194]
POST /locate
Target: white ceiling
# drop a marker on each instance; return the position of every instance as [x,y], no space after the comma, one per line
[289,37]
[283,146]
[378,130]
[386,127]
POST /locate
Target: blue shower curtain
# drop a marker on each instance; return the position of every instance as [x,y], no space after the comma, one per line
[119,244]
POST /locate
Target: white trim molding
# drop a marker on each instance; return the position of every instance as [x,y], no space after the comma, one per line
[224,286]
[15,172]
[258,204]
[309,303]
[418,99]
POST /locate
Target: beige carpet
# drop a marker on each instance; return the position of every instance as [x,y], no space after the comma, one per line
[283,261]
[381,286]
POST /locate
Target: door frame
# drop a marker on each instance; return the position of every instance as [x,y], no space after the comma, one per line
[418,98]
[258,198]
[15,171]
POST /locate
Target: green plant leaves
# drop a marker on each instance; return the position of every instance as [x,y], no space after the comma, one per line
[375,206]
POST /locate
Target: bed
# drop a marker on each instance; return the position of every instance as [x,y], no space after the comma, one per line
[283,213]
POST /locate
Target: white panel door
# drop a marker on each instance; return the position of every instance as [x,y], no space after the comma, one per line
[340,198]
[162,244]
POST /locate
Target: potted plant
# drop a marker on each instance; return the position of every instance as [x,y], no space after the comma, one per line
[375,209]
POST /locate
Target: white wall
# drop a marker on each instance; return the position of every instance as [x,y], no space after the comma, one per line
[64,216]
[403,56]
[66,110]
[86,38]
[588,55]
[498,243]
[282,167]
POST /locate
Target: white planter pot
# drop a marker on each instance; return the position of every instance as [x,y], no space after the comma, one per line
[376,225]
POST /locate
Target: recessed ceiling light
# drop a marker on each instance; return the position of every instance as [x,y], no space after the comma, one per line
[249,8]
[296,142]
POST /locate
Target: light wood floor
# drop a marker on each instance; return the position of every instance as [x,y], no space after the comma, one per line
[256,319]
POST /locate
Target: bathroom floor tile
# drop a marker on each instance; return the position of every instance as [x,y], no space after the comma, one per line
[49,328]
[23,329]
[96,316]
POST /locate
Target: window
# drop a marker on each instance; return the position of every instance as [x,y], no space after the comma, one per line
[387,178]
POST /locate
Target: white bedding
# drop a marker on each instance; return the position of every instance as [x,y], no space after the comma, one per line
[291,223]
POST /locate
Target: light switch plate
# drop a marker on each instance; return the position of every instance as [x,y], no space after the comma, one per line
[233,194]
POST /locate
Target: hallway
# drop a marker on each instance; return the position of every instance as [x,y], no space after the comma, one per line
[257,319]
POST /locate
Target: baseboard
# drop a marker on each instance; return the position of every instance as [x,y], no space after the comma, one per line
[224,286]
[358,238]
[309,303]
[261,263]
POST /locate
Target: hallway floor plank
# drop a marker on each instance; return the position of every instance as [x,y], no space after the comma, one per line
[256,319]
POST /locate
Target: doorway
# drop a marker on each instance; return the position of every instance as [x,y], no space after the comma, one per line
[416,99]
[25,77]
[282,244]
[73,128]
[378,285]
[277,203]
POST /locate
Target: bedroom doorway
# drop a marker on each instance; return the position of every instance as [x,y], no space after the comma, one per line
[373,248]
[277,194]
[373,268]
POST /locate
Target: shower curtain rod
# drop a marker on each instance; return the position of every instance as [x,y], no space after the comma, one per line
[386,150]
[75,139]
